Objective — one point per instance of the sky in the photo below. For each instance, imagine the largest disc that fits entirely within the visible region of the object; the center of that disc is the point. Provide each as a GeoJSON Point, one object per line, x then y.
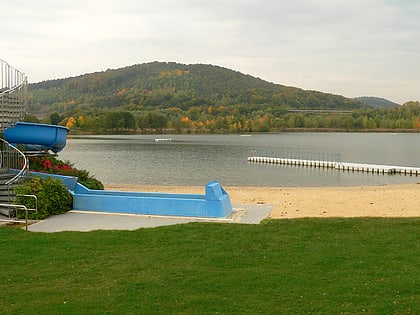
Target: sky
{"type": "Point", "coordinates": [351, 48]}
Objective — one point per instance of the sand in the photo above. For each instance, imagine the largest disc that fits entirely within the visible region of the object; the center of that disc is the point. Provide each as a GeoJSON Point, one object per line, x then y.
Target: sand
{"type": "Point", "coordinates": [364, 201]}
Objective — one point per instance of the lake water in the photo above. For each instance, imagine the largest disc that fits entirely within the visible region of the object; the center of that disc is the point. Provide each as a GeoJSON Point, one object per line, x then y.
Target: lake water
{"type": "Point", "coordinates": [197, 159]}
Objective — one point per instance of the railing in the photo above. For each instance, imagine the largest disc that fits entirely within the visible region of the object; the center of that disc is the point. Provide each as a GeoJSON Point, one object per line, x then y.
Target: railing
{"type": "Point", "coordinates": [13, 161]}
{"type": "Point", "coordinates": [13, 167]}
{"type": "Point", "coordinates": [13, 91]}
{"type": "Point", "coordinates": [20, 207]}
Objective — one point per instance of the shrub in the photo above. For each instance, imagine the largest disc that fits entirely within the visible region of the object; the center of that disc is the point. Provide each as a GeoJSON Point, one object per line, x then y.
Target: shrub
{"type": "Point", "coordinates": [52, 165]}
{"type": "Point", "coordinates": [53, 197]}
{"type": "Point", "coordinates": [92, 183]}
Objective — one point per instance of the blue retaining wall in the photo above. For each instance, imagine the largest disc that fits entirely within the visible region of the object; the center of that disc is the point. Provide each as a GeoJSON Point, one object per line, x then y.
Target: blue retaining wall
{"type": "Point", "coordinates": [214, 204]}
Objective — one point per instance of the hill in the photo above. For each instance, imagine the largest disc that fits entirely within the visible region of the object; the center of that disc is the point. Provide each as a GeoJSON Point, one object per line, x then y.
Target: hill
{"type": "Point", "coordinates": [161, 85]}
{"type": "Point", "coordinates": [172, 97]}
{"type": "Point", "coordinates": [376, 102]}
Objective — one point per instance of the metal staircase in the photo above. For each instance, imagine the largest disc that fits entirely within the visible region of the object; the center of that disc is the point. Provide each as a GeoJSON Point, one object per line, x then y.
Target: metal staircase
{"type": "Point", "coordinates": [13, 163]}
{"type": "Point", "coordinates": [13, 169]}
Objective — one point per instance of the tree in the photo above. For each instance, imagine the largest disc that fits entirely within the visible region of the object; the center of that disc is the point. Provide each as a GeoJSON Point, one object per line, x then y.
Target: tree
{"type": "Point", "coordinates": [55, 118]}
{"type": "Point", "coordinates": [119, 120]}
{"type": "Point", "coordinates": [31, 118]}
{"type": "Point", "coordinates": [152, 120]}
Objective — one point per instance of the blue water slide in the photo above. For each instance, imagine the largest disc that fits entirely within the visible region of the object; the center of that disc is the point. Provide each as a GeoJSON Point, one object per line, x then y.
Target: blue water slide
{"type": "Point", "coordinates": [37, 137]}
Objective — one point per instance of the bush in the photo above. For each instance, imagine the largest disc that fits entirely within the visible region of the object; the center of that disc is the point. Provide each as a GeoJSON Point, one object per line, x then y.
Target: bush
{"type": "Point", "coordinates": [53, 197]}
{"type": "Point", "coordinates": [52, 165]}
{"type": "Point", "coordinates": [91, 183]}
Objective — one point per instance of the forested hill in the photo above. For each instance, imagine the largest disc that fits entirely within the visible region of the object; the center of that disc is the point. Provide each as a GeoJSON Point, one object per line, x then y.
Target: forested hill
{"type": "Point", "coordinates": [172, 97]}
{"type": "Point", "coordinates": [161, 85]}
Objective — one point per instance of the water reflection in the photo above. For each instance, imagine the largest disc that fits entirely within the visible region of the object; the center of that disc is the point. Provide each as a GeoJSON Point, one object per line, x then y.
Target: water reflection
{"type": "Point", "coordinates": [197, 159]}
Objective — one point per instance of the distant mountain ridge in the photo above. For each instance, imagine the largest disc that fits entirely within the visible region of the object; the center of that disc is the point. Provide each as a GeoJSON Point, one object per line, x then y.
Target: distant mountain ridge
{"type": "Point", "coordinates": [172, 85]}
{"type": "Point", "coordinates": [376, 102]}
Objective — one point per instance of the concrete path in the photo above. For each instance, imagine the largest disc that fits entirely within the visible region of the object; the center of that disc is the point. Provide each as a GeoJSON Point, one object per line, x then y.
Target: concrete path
{"type": "Point", "coordinates": [89, 221]}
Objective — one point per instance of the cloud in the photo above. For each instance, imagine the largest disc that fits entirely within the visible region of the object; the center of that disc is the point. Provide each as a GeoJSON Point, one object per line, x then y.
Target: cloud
{"type": "Point", "coordinates": [347, 47]}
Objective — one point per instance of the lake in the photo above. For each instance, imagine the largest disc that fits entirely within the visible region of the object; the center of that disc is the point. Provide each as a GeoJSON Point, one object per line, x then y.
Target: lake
{"type": "Point", "coordinates": [197, 159]}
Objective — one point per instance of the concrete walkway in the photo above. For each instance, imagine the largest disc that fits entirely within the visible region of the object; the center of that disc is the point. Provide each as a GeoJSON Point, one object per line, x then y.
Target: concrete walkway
{"type": "Point", "coordinates": [89, 221]}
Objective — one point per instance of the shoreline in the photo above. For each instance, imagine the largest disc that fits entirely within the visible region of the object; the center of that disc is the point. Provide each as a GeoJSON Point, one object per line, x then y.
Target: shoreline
{"type": "Point", "coordinates": [166, 131]}
{"type": "Point", "coordinates": [401, 200]}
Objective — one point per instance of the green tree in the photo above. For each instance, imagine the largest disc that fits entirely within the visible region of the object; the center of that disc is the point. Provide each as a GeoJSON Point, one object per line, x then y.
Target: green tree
{"type": "Point", "coordinates": [55, 118]}
{"type": "Point", "coordinates": [119, 120]}
{"type": "Point", "coordinates": [152, 120]}
{"type": "Point", "coordinates": [31, 118]}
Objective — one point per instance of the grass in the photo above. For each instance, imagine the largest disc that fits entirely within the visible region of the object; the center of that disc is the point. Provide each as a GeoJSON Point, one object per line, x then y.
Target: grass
{"type": "Point", "coordinates": [318, 266]}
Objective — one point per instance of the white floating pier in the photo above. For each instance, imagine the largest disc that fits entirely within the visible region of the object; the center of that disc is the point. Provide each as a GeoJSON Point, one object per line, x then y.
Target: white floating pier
{"type": "Point", "coordinates": [342, 166]}
{"type": "Point", "coordinates": [163, 139]}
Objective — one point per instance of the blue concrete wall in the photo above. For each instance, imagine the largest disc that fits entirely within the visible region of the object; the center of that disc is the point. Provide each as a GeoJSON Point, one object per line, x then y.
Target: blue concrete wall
{"type": "Point", "coordinates": [214, 204]}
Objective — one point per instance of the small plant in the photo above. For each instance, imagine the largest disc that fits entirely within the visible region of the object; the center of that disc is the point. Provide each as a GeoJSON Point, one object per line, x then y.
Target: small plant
{"type": "Point", "coordinates": [52, 165]}
{"type": "Point", "coordinates": [53, 197]}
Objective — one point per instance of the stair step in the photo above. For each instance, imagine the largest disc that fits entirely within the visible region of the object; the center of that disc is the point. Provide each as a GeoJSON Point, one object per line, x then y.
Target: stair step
{"type": "Point", "coordinates": [4, 211]}
{"type": "Point", "coordinates": [6, 175]}
{"type": "Point", "coordinates": [7, 193]}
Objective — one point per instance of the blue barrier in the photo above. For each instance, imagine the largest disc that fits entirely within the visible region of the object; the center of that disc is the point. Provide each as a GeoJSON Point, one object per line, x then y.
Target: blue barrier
{"type": "Point", "coordinates": [215, 203]}
{"type": "Point", "coordinates": [37, 137]}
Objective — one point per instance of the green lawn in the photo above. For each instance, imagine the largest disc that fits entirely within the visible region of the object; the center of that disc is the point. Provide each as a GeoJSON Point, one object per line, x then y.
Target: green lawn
{"type": "Point", "coordinates": [317, 266]}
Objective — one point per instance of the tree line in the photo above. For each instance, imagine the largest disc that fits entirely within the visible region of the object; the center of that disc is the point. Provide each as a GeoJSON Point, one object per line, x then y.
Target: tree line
{"type": "Point", "coordinates": [236, 119]}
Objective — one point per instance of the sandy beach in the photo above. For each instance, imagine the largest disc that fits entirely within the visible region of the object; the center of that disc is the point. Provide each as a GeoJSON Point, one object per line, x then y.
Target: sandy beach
{"type": "Point", "coordinates": [291, 202]}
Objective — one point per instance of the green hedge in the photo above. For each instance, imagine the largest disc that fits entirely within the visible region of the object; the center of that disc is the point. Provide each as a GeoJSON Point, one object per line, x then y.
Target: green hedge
{"type": "Point", "coordinates": [53, 197]}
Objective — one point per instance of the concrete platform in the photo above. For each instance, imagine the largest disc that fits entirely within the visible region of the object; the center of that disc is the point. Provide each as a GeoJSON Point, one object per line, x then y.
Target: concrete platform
{"type": "Point", "coordinates": [90, 221]}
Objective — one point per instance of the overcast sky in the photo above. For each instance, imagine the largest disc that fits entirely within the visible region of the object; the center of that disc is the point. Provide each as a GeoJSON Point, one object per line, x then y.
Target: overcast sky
{"type": "Point", "coordinates": [352, 48]}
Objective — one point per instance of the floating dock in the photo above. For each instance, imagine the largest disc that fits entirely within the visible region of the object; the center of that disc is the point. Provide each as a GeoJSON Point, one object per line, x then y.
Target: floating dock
{"type": "Point", "coordinates": [342, 166]}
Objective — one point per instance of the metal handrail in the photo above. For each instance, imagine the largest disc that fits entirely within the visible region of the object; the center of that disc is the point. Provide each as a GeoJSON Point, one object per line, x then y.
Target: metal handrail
{"type": "Point", "coordinates": [21, 207]}
{"type": "Point", "coordinates": [30, 196]}
{"type": "Point", "coordinates": [13, 85]}
{"type": "Point", "coordinates": [10, 77]}
{"type": "Point", "coordinates": [22, 169]}
{"type": "Point", "coordinates": [13, 89]}
{"type": "Point", "coordinates": [17, 208]}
